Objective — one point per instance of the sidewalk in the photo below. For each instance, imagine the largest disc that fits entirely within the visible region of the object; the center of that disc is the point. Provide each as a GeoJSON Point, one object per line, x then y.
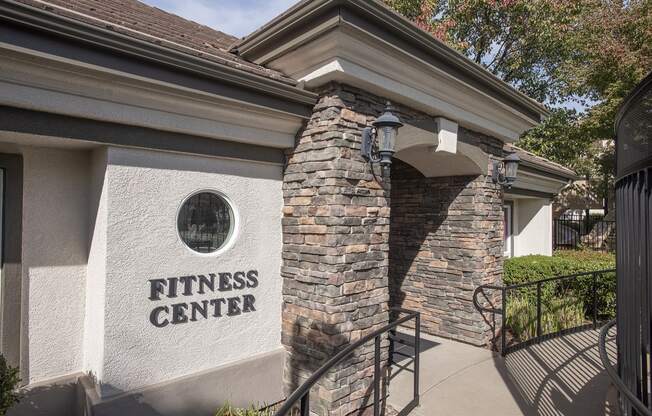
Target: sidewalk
{"type": "Point", "coordinates": [562, 376]}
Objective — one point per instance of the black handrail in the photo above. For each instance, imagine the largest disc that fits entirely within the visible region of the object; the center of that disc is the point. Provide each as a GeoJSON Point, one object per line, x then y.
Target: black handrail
{"type": "Point", "coordinates": [613, 373]}
{"type": "Point", "coordinates": [538, 284]}
{"type": "Point", "coordinates": [302, 394]}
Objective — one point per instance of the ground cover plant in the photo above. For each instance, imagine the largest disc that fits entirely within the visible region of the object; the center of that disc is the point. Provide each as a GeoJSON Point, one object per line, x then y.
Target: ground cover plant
{"type": "Point", "coordinates": [229, 410]}
{"type": "Point", "coordinates": [8, 384]}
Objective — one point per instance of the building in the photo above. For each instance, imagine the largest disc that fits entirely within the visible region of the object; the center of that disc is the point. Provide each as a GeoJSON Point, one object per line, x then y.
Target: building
{"type": "Point", "coordinates": [188, 218]}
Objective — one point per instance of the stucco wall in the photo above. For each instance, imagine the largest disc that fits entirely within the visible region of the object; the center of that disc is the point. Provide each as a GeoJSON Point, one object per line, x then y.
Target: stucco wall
{"type": "Point", "coordinates": [532, 226]}
{"type": "Point", "coordinates": [54, 250]}
{"type": "Point", "coordinates": [144, 191]}
{"type": "Point", "coordinates": [96, 273]}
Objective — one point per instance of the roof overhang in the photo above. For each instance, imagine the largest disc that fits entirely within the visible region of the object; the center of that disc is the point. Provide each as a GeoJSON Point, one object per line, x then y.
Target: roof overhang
{"type": "Point", "coordinates": [531, 182]}
{"type": "Point", "coordinates": [364, 44]}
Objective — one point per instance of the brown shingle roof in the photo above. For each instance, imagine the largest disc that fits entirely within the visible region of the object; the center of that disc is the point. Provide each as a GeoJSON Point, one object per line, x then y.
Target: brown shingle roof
{"type": "Point", "coordinates": [528, 158]}
{"type": "Point", "coordinates": [138, 20]}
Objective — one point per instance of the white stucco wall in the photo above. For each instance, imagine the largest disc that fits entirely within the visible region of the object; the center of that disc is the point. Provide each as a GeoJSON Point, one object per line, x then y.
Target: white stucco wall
{"type": "Point", "coordinates": [54, 254]}
{"type": "Point", "coordinates": [144, 190]}
{"type": "Point", "coordinates": [532, 226]}
{"type": "Point", "coordinates": [96, 272]}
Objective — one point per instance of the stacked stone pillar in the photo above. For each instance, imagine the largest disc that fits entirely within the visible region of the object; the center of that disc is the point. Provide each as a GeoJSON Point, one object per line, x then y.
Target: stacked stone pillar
{"type": "Point", "coordinates": [335, 253]}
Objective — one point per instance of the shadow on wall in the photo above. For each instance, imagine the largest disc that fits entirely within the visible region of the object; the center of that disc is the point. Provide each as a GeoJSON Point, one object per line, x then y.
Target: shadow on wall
{"type": "Point", "coordinates": [59, 398]}
{"type": "Point", "coordinates": [430, 256]}
{"type": "Point", "coordinates": [561, 376]}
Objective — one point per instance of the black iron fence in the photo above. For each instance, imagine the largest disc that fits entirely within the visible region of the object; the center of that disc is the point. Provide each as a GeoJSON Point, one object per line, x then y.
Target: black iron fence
{"type": "Point", "coordinates": [572, 232]}
{"type": "Point", "coordinates": [299, 400]}
{"type": "Point", "coordinates": [535, 311]}
{"type": "Point", "coordinates": [629, 400]}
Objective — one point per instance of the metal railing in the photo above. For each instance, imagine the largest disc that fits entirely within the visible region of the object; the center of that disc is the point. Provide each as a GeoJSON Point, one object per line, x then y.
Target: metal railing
{"type": "Point", "coordinates": [301, 395]}
{"type": "Point", "coordinates": [538, 287]}
{"type": "Point", "coordinates": [629, 398]}
{"type": "Point", "coordinates": [594, 233]}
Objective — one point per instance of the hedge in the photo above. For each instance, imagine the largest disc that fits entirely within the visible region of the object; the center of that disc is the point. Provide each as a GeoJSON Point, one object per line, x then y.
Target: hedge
{"type": "Point", "coordinates": [562, 263]}
{"type": "Point", "coordinates": [565, 303]}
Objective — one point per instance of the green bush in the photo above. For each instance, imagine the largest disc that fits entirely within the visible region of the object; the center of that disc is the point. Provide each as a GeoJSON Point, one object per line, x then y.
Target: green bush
{"type": "Point", "coordinates": [556, 314]}
{"type": "Point", "coordinates": [8, 384]}
{"type": "Point", "coordinates": [228, 410]}
{"type": "Point", "coordinates": [562, 263]}
{"type": "Point", "coordinates": [565, 303]}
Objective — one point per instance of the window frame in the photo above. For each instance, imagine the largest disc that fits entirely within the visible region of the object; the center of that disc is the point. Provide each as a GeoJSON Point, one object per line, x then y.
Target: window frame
{"type": "Point", "coordinates": [234, 229]}
{"type": "Point", "coordinates": [508, 229]}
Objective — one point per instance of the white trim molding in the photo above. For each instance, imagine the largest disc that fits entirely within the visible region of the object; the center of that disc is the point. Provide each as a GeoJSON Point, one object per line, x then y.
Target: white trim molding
{"type": "Point", "coordinates": [349, 55]}
{"type": "Point", "coordinates": [38, 81]}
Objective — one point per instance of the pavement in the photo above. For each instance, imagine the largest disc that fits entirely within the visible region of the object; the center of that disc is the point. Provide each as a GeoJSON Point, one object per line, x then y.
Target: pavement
{"type": "Point", "coordinates": [561, 376]}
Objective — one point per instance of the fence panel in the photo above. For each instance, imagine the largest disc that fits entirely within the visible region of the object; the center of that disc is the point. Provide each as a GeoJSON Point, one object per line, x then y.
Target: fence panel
{"type": "Point", "coordinates": [573, 232]}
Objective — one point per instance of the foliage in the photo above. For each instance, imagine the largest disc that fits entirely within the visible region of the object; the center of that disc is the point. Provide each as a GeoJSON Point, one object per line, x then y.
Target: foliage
{"type": "Point", "coordinates": [565, 303]}
{"type": "Point", "coordinates": [558, 314]}
{"type": "Point", "coordinates": [562, 263]}
{"type": "Point", "coordinates": [228, 410]}
{"type": "Point", "coordinates": [588, 52]}
{"type": "Point", "coordinates": [8, 384]}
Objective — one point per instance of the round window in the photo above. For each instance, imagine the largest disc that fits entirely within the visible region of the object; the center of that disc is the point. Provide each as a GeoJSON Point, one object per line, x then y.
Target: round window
{"type": "Point", "coordinates": [205, 222]}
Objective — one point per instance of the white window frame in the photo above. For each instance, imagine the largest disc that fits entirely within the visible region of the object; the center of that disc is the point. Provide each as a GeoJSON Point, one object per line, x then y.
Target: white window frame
{"type": "Point", "coordinates": [508, 215]}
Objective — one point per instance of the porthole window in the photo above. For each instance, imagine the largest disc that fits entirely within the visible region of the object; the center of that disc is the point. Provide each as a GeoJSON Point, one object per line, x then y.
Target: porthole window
{"type": "Point", "coordinates": [206, 222]}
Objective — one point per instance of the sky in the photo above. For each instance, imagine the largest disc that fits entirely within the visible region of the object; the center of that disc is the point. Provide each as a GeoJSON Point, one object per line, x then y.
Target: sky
{"type": "Point", "coordinates": [235, 17]}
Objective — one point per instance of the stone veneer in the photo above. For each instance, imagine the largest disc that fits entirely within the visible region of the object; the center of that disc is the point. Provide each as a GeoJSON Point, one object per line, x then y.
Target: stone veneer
{"type": "Point", "coordinates": [447, 239]}
{"type": "Point", "coordinates": [336, 249]}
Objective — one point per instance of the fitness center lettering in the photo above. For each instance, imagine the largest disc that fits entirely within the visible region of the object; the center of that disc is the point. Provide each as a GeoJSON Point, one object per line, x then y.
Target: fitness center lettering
{"type": "Point", "coordinates": [222, 283]}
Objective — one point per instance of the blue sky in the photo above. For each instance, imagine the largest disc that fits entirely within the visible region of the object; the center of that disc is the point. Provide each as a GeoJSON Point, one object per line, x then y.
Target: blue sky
{"type": "Point", "coordinates": [235, 17]}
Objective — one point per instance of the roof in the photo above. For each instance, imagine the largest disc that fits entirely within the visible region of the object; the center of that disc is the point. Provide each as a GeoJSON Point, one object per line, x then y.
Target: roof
{"type": "Point", "coordinates": [529, 159]}
{"type": "Point", "coordinates": [138, 20]}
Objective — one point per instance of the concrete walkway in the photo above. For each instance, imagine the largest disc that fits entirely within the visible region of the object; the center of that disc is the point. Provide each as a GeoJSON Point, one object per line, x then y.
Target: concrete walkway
{"type": "Point", "coordinates": [562, 376]}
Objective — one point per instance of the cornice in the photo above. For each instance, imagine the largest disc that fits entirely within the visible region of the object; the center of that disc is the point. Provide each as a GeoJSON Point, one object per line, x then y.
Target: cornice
{"type": "Point", "coordinates": [96, 37]}
{"type": "Point", "coordinates": [304, 18]}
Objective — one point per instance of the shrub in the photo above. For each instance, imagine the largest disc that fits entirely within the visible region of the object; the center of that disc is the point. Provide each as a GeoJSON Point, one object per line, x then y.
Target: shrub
{"type": "Point", "coordinates": [562, 263]}
{"type": "Point", "coordinates": [556, 314]}
{"type": "Point", "coordinates": [8, 384]}
{"type": "Point", "coordinates": [228, 410]}
{"type": "Point", "coordinates": [565, 303]}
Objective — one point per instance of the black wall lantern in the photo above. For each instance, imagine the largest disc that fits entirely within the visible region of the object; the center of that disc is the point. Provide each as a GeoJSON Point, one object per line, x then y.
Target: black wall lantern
{"type": "Point", "coordinates": [504, 172]}
{"type": "Point", "coordinates": [379, 141]}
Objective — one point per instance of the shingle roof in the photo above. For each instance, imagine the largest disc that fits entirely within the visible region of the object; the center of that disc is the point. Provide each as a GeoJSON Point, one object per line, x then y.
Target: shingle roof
{"type": "Point", "coordinates": [150, 24]}
{"type": "Point", "coordinates": [528, 158]}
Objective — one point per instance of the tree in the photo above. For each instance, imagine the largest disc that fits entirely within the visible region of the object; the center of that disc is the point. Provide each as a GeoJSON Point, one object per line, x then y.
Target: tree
{"type": "Point", "coordinates": [560, 52]}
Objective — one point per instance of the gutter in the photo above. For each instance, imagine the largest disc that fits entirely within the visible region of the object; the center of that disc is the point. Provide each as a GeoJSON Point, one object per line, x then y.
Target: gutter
{"type": "Point", "coordinates": [71, 29]}
{"type": "Point", "coordinates": [549, 172]}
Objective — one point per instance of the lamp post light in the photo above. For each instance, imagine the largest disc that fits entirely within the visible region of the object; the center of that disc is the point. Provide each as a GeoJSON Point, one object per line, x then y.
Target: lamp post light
{"type": "Point", "coordinates": [504, 171]}
{"type": "Point", "coordinates": [379, 141]}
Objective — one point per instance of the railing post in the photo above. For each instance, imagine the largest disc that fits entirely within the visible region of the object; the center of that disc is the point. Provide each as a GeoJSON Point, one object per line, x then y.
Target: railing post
{"type": "Point", "coordinates": [377, 376]}
{"type": "Point", "coordinates": [417, 352]}
{"type": "Point", "coordinates": [538, 309]}
{"type": "Point", "coordinates": [594, 286]}
{"type": "Point", "coordinates": [305, 404]}
{"type": "Point", "coordinates": [503, 324]}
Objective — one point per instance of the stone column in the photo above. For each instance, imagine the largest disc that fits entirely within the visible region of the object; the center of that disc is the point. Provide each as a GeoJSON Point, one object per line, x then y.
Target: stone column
{"type": "Point", "coordinates": [335, 253]}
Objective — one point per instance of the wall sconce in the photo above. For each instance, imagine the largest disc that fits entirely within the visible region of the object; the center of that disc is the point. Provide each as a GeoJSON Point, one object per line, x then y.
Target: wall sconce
{"type": "Point", "coordinates": [379, 141]}
{"type": "Point", "coordinates": [504, 172]}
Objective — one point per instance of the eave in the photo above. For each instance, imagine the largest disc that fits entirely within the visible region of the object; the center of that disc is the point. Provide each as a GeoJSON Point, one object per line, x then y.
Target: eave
{"type": "Point", "coordinates": [28, 27]}
{"type": "Point", "coordinates": [384, 32]}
